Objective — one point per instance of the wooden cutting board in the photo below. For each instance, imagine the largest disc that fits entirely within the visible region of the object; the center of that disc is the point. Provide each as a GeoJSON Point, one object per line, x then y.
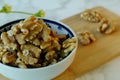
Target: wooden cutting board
{"type": "Point", "coordinates": [106, 48]}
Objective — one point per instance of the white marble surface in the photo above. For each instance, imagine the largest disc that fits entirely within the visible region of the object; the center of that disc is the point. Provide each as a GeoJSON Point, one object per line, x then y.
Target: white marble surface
{"type": "Point", "coordinates": [60, 9]}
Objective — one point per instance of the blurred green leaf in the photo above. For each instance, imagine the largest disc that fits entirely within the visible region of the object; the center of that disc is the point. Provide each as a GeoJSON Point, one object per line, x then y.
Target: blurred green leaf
{"type": "Point", "coordinates": [40, 13]}
{"type": "Point", "coordinates": [6, 9]}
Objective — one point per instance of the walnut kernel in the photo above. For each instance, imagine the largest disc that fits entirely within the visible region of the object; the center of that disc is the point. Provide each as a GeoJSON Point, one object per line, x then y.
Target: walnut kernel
{"type": "Point", "coordinates": [106, 26]}
{"type": "Point", "coordinates": [91, 16]}
{"type": "Point", "coordinates": [86, 38]}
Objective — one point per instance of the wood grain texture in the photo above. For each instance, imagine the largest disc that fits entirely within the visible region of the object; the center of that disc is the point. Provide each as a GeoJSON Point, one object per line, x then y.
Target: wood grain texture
{"type": "Point", "coordinates": [106, 48]}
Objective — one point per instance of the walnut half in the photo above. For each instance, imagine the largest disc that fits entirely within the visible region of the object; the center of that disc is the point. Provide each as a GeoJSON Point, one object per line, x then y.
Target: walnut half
{"type": "Point", "coordinates": [9, 41]}
{"type": "Point", "coordinates": [27, 59]}
{"type": "Point", "coordinates": [68, 45]}
{"type": "Point", "coordinates": [105, 26]}
{"type": "Point", "coordinates": [31, 48]}
{"type": "Point", "coordinates": [9, 57]}
{"type": "Point", "coordinates": [91, 16]}
{"type": "Point", "coordinates": [86, 38]}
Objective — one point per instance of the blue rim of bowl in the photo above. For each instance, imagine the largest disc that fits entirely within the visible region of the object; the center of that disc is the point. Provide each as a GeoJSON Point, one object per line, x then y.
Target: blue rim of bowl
{"type": "Point", "coordinates": [48, 20]}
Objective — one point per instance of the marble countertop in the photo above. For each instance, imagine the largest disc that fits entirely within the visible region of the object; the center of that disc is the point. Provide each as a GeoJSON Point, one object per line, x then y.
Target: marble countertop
{"type": "Point", "coordinates": [60, 9]}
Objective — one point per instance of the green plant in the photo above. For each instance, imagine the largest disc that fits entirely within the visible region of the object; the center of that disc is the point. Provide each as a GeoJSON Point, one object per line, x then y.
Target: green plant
{"type": "Point", "coordinates": [8, 9]}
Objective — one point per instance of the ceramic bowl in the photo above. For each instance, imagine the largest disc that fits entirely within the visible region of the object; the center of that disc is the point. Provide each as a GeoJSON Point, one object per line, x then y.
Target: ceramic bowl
{"type": "Point", "coordinates": [43, 73]}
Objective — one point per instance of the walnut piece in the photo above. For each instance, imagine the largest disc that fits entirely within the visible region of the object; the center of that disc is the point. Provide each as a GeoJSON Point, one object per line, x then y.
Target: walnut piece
{"type": "Point", "coordinates": [35, 41]}
{"type": "Point", "coordinates": [50, 55]}
{"type": "Point", "coordinates": [33, 49]}
{"type": "Point", "coordinates": [20, 38]}
{"type": "Point", "coordinates": [106, 26]}
{"type": "Point", "coordinates": [53, 61]}
{"type": "Point", "coordinates": [2, 50]}
{"type": "Point", "coordinates": [45, 34]}
{"type": "Point", "coordinates": [44, 45]}
{"type": "Point", "coordinates": [91, 16]}
{"type": "Point", "coordinates": [20, 63]}
{"type": "Point", "coordinates": [68, 45]}
{"type": "Point", "coordinates": [85, 38]}
{"type": "Point", "coordinates": [9, 41]}
{"type": "Point", "coordinates": [9, 58]}
{"type": "Point", "coordinates": [15, 29]}
{"type": "Point", "coordinates": [56, 45]}
{"type": "Point", "coordinates": [27, 59]}
{"type": "Point", "coordinates": [62, 36]}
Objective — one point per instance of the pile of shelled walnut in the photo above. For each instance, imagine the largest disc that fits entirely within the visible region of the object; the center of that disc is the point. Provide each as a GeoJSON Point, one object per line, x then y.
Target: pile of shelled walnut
{"type": "Point", "coordinates": [105, 26]}
{"type": "Point", "coordinates": [31, 44]}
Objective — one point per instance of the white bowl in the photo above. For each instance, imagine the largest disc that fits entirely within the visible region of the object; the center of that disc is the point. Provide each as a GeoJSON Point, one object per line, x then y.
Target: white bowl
{"type": "Point", "coordinates": [43, 73]}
